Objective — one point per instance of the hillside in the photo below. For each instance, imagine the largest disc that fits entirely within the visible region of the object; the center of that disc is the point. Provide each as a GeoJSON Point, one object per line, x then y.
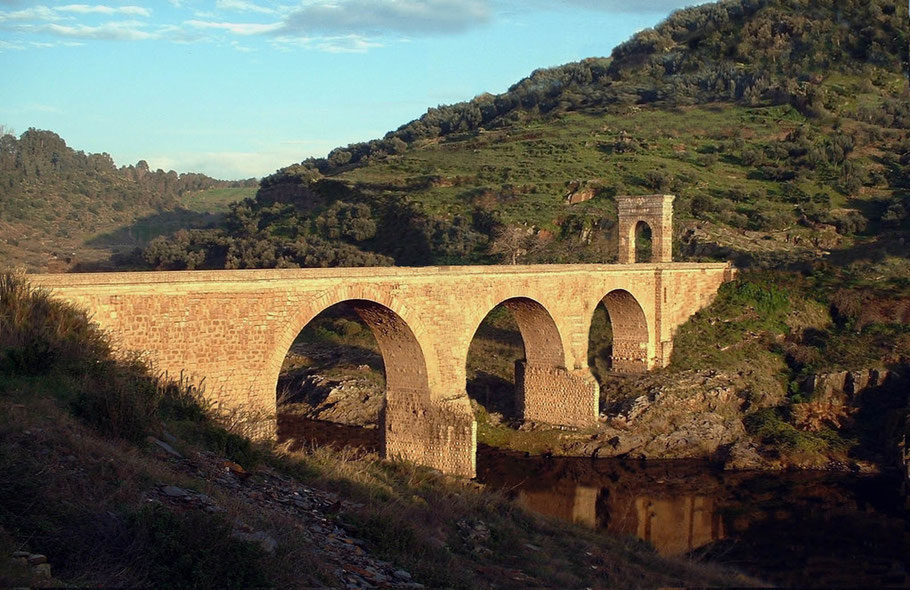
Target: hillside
{"type": "Point", "coordinates": [781, 126]}
{"type": "Point", "coordinates": [55, 200]}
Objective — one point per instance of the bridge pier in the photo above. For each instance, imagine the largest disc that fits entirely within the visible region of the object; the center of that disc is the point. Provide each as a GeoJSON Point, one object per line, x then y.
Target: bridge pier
{"type": "Point", "coordinates": [556, 395]}
{"type": "Point", "coordinates": [441, 434]}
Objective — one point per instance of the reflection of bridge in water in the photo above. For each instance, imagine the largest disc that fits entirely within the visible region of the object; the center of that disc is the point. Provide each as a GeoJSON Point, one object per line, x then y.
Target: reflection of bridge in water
{"type": "Point", "coordinates": [234, 328]}
{"type": "Point", "coordinates": [674, 525]}
{"type": "Point", "coordinates": [797, 529]}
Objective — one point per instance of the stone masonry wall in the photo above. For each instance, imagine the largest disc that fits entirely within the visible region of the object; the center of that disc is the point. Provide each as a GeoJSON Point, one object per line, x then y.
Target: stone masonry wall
{"type": "Point", "coordinates": [556, 396]}
{"type": "Point", "coordinates": [232, 329]}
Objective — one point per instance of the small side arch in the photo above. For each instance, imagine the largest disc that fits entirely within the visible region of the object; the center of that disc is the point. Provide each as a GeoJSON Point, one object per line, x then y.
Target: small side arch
{"type": "Point", "coordinates": [641, 240]}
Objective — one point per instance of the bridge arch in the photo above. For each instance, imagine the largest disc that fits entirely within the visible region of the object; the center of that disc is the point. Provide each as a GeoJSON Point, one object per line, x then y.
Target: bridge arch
{"type": "Point", "coordinates": [641, 242]}
{"type": "Point", "coordinates": [539, 332]}
{"type": "Point", "coordinates": [397, 331]}
{"type": "Point", "coordinates": [631, 334]}
{"type": "Point", "coordinates": [545, 390]}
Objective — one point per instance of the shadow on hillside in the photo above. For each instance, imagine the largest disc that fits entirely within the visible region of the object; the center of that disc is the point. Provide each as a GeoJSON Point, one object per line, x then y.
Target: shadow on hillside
{"type": "Point", "coordinates": [305, 433]}
{"type": "Point", "coordinates": [891, 244]}
{"type": "Point", "coordinates": [145, 229]}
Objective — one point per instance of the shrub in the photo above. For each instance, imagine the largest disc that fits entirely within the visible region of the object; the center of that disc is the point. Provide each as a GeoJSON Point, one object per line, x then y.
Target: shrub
{"type": "Point", "coordinates": [769, 425]}
{"type": "Point", "coordinates": [40, 334]}
{"type": "Point", "coordinates": [194, 550]}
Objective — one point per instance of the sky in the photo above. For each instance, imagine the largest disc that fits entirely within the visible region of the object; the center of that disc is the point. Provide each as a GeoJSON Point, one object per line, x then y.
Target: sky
{"type": "Point", "coordinates": [237, 89]}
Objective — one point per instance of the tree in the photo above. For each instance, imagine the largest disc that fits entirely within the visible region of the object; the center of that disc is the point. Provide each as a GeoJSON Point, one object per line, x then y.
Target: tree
{"type": "Point", "coordinates": [511, 242]}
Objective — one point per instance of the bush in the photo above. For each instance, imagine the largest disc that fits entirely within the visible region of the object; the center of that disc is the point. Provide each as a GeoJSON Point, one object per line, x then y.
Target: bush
{"type": "Point", "coordinates": [39, 334]}
{"type": "Point", "coordinates": [769, 425]}
{"type": "Point", "coordinates": [194, 550]}
{"type": "Point", "coordinates": [116, 396]}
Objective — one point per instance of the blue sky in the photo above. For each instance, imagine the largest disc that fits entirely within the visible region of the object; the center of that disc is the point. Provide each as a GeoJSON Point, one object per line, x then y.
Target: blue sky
{"type": "Point", "coordinates": [237, 88]}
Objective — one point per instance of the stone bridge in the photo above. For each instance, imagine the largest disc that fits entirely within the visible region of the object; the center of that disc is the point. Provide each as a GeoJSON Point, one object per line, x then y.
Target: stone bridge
{"type": "Point", "coordinates": [234, 328]}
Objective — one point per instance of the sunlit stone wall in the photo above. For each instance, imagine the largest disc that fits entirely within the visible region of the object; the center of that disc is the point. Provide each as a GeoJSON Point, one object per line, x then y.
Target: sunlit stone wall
{"type": "Point", "coordinates": [231, 330]}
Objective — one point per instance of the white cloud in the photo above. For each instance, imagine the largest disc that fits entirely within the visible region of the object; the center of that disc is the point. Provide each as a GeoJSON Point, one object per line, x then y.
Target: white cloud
{"type": "Point", "coordinates": [243, 6]}
{"type": "Point", "coordinates": [115, 31]}
{"type": "Point", "coordinates": [31, 14]}
{"type": "Point", "coordinates": [385, 16]}
{"type": "Point", "coordinates": [336, 44]}
{"type": "Point", "coordinates": [237, 165]}
{"type": "Point", "coordinates": [236, 28]}
{"type": "Point", "coordinates": [7, 46]}
{"type": "Point", "coordinates": [102, 9]}
{"type": "Point", "coordinates": [241, 48]}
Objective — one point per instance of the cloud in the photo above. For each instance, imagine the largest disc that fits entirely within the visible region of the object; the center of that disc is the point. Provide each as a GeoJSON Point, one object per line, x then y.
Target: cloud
{"type": "Point", "coordinates": [243, 6]}
{"type": "Point", "coordinates": [237, 165]}
{"type": "Point", "coordinates": [236, 28]}
{"type": "Point", "coordinates": [332, 44]}
{"type": "Point", "coordinates": [30, 14]}
{"type": "Point", "coordinates": [102, 9]}
{"type": "Point", "coordinates": [115, 31]}
{"type": "Point", "coordinates": [371, 17]}
{"type": "Point", "coordinates": [7, 46]}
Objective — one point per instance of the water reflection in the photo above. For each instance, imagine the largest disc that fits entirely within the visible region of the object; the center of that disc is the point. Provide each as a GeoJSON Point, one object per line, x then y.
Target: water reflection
{"type": "Point", "coordinates": [791, 529]}
{"type": "Point", "coordinates": [584, 492]}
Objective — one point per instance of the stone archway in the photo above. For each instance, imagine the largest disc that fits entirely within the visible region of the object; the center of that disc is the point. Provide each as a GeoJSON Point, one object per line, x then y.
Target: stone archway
{"type": "Point", "coordinates": [654, 210]}
{"type": "Point", "coordinates": [415, 424]}
{"type": "Point", "coordinates": [631, 335]}
{"type": "Point", "coordinates": [545, 390]}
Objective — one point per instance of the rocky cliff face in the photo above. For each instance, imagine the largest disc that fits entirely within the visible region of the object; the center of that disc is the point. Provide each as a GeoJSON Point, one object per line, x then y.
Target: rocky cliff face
{"type": "Point", "coordinates": [835, 397]}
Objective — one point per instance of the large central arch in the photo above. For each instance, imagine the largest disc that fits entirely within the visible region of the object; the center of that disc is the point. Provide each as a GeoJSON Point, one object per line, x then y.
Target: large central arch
{"type": "Point", "coordinates": [415, 425]}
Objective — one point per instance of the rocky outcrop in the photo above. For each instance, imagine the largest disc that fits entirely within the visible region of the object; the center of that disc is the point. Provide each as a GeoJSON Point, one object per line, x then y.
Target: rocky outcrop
{"type": "Point", "coordinates": [691, 415]}
{"type": "Point", "coordinates": [576, 192]}
{"type": "Point", "coordinates": [834, 397]}
{"type": "Point", "coordinates": [353, 399]}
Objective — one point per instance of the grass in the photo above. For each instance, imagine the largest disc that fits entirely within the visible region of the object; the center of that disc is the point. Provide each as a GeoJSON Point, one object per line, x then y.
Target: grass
{"type": "Point", "coordinates": [216, 200]}
{"type": "Point", "coordinates": [527, 166]}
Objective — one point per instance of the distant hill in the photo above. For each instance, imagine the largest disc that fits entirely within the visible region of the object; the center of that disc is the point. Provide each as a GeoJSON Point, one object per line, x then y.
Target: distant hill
{"type": "Point", "coordinates": [53, 198]}
{"type": "Point", "coordinates": [782, 126]}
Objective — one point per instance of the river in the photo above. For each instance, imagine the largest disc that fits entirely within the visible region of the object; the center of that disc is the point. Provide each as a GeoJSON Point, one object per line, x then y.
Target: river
{"type": "Point", "coordinates": [808, 529]}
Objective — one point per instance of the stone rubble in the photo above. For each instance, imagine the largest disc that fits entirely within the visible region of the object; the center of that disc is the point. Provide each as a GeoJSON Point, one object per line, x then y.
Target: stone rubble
{"type": "Point", "coordinates": [315, 510]}
{"type": "Point", "coordinates": [37, 564]}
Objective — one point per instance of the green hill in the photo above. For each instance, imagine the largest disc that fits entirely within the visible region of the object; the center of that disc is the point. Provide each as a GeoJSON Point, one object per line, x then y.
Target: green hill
{"type": "Point", "coordinates": [54, 200]}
